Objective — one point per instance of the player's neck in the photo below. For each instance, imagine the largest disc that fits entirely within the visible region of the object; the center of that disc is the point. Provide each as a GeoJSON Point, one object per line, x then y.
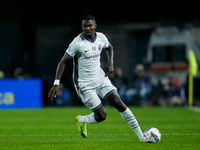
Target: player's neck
{"type": "Point", "coordinates": [92, 38]}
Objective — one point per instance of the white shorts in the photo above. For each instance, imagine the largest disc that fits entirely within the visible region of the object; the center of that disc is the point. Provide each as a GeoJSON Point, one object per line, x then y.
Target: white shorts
{"type": "Point", "coordinates": [91, 97]}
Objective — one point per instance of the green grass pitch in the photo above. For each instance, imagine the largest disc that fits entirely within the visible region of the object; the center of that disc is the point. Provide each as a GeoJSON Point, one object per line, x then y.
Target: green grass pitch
{"type": "Point", "coordinates": [55, 128]}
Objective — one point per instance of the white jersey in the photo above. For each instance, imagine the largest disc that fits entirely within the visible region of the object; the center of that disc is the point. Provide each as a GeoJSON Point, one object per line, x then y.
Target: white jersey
{"type": "Point", "coordinates": [86, 56]}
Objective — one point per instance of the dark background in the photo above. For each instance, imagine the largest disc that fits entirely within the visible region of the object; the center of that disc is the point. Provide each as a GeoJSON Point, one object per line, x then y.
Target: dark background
{"type": "Point", "coordinates": [35, 34]}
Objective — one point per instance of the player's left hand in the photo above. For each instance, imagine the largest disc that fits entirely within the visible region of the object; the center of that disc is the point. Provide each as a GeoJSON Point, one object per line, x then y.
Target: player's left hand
{"type": "Point", "coordinates": [110, 68]}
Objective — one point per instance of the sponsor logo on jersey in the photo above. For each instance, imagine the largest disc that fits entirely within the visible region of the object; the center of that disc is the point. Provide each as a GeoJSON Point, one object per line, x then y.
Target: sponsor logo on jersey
{"type": "Point", "coordinates": [92, 56]}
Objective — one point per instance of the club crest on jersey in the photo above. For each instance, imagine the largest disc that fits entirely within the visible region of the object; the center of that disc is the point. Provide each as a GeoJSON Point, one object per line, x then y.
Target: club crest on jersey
{"type": "Point", "coordinates": [100, 47]}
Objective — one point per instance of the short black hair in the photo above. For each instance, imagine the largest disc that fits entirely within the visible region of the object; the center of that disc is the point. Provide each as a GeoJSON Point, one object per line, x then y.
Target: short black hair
{"type": "Point", "coordinates": [89, 17]}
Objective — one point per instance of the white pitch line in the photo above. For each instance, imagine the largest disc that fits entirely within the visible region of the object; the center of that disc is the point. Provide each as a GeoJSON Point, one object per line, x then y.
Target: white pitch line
{"type": "Point", "coordinates": [36, 135]}
{"type": "Point", "coordinates": [123, 134]}
{"type": "Point", "coordinates": [180, 134]}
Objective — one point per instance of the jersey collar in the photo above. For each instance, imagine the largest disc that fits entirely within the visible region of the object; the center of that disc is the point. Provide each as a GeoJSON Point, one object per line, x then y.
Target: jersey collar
{"type": "Point", "coordinates": [89, 39]}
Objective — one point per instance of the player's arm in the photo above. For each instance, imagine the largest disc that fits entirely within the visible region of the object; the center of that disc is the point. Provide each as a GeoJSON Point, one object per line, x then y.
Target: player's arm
{"type": "Point", "coordinates": [110, 54]}
{"type": "Point", "coordinates": [59, 72]}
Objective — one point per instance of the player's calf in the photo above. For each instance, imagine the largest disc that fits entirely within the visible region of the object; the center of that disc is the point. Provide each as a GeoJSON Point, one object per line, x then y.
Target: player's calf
{"type": "Point", "coordinates": [100, 118]}
{"type": "Point", "coordinates": [132, 121]}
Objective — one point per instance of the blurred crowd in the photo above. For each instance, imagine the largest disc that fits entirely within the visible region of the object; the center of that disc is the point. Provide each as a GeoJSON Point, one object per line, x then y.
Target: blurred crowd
{"type": "Point", "coordinates": [139, 90]}
{"type": "Point", "coordinates": [135, 91]}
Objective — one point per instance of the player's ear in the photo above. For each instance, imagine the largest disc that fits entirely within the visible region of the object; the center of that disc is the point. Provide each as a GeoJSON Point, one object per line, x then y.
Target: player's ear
{"type": "Point", "coordinates": [95, 25]}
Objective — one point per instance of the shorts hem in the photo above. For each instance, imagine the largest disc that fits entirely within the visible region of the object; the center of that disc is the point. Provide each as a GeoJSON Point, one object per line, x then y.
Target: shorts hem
{"type": "Point", "coordinates": [109, 93]}
{"type": "Point", "coordinates": [96, 107]}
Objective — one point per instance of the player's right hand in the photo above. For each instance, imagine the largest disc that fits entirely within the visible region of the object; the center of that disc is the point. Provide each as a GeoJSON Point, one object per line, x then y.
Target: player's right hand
{"type": "Point", "coordinates": [53, 91]}
{"type": "Point", "coordinates": [110, 68]}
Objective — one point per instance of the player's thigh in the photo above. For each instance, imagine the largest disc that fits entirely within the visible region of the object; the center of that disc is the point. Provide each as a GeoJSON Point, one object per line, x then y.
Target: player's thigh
{"type": "Point", "coordinates": [90, 99]}
{"type": "Point", "coordinates": [115, 100]}
{"type": "Point", "coordinates": [106, 88]}
{"type": "Point", "coordinates": [109, 92]}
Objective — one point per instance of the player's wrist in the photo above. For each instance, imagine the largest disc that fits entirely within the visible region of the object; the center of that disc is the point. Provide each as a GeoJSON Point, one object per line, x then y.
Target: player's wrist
{"type": "Point", "coordinates": [110, 61]}
{"type": "Point", "coordinates": [56, 82]}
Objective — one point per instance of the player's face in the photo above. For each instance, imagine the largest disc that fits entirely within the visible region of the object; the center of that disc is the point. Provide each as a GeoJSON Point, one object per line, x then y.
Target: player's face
{"type": "Point", "coordinates": [88, 27]}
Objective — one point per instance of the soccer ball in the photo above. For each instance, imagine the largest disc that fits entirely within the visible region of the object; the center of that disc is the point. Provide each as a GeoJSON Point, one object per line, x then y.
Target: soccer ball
{"type": "Point", "coordinates": [152, 135]}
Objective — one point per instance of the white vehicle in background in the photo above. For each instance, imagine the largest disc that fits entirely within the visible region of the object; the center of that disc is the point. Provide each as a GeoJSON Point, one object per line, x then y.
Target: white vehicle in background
{"type": "Point", "coordinates": [168, 52]}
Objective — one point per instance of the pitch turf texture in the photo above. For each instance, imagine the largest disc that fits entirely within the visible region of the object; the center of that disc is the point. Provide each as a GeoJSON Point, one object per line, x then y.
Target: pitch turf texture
{"type": "Point", "coordinates": [55, 128]}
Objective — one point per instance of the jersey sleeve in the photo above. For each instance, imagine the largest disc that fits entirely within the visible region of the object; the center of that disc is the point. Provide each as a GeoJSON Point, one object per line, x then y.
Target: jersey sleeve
{"type": "Point", "coordinates": [72, 49]}
{"type": "Point", "coordinates": [106, 42]}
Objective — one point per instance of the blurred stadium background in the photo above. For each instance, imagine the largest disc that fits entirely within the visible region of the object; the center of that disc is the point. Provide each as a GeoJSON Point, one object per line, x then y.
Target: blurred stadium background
{"type": "Point", "coordinates": [34, 35]}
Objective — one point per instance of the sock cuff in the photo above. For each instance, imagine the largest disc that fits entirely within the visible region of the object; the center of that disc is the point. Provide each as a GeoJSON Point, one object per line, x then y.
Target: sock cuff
{"type": "Point", "coordinates": [88, 118]}
{"type": "Point", "coordinates": [125, 111]}
{"type": "Point", "coordinates": [127, 114]}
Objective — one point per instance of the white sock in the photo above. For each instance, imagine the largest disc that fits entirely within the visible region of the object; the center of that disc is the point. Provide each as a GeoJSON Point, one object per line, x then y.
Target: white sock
{"type": "Point", "coordinates": [130, 118]}
{"type": "Point", "coordinates": [88, 118]}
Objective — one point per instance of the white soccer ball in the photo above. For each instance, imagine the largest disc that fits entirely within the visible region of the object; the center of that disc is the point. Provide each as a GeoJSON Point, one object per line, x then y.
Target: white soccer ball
{"type": "Point", "coordinates": [152, 135]}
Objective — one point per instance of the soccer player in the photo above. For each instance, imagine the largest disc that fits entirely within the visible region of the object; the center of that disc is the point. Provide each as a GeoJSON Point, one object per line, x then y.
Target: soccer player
{"type": "Point", "coordinates": [90, 81]}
